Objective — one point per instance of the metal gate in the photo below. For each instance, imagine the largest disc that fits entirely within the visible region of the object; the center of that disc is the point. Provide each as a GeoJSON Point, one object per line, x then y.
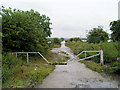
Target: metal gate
{"type": "Point", "coordinates": [100, 52]}
{"type": "Point", "coordinates": [41, 56]}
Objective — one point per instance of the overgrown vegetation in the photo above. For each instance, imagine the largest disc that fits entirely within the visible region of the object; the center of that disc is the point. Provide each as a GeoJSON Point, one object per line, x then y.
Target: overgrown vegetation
{"type": "Point", "coordinates": [96, 38]}
{"type": "Point", "coordinates": [55, 42]}
{"type": "Point", "coordinates": [18, 74]}
{"type": "Point", "coordinates": [64, 53]}
{"type": "Point", "coordinates": [75, 39]}
{"type": "Point", "coordinates": [96, 35]}
{"type": "Point", "coordinates": [61, 59]}
{"type": "Point", "coordinates": [115, 28]}
{"type": "Point", "coordinates": [0, 52]}
{"type": "Point", "coordinates": [25, 31]}
{"type": "Point", "coordinates": [110, 50]}
{"type": "Point", "coordinates": [94, 66]}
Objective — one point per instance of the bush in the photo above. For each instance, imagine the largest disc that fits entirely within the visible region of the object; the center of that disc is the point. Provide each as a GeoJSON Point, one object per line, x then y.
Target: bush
{"type": "Point", "coordinates": [54, 42]}
{"type": "Point", "coordinates": [9, 63]}
{"type": "Point", "coordinates": [115, 67]}
{"type": "Point", "coordinates": [75, 39]}
{"type": "Point", "coordinates": [24, 30]}
{"type": "Point", "coordinates": [110, 52]}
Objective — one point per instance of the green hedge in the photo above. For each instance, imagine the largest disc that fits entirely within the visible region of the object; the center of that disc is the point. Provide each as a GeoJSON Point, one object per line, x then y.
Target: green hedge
{"type": "Point", "coordinates": [110, 52]}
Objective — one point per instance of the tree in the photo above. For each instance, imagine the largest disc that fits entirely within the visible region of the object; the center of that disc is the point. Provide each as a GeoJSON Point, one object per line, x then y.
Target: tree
{"type": "Point", "coordinates": [0, 24]}
{"type": "Point", "coordinates": [24, 30]}
{"type": "Point", "coordinates": [62, 39]}
{"type": "Point", "coordinates": [75, 39]}
{"type": "Point", "coordinates": [56, 41]}
{"type": "Point", "coordinates": [96, 35]}
{"type": "Point", "coordinates": [0, 34]}
{"type": "Point", "coordinates": [115, 28]}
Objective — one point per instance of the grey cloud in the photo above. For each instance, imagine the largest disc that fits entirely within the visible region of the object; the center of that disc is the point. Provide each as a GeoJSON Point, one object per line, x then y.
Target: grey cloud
{"type": "Point", "coordinates": [71, 18]}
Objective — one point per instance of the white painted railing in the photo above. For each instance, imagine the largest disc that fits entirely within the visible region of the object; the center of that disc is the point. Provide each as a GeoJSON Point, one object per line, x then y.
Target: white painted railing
{"type": "Point", "coordinates": [89, 57]}
{"type": "Point", "coordinates": [41, 56]}
{"type": "Point", "coordinates": [100, 53]}
{"type": "Point", "coordinates": [33, 53]}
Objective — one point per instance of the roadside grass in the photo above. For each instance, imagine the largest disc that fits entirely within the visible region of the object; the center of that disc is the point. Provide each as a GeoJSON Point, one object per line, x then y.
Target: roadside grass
{"type": "Point", "coordinates": [24, 75]}
{"type": "Point", "coordinates": [58, 58]}
{"type": "Point", "coordinates": [94, 66]}
{"type": "Point", "coordinates": [56, 46]}
{"type": "Point", "coordinates": [63, 59]}
{"type": "Point", "coordinates": [110, 51]}
{"type": "Point", "coordinates": [64, 52]}
{"type": "Point", "coordinates": [29, 75]}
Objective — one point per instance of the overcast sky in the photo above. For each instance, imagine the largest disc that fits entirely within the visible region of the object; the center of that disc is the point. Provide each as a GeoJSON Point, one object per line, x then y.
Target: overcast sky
{"type": "Point", "coordinates": [71, 18]}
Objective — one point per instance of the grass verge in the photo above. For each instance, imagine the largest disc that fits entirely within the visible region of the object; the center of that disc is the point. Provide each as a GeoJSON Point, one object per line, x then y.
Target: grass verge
{"type": "Point", "coordinates": [64, 52]}
{"type": "Point", "coordinates": [56, 46]}
{"type": "Point", "coordinates": [58, 58]}
{"type": "Point", "coordinates": [29, 75]}
{"type": "Point", "coordinates": [17, 73]}
{"type": "Point", "coordinates": [63, 59]}
{"type": "Point", "coordinates": [94, 66]}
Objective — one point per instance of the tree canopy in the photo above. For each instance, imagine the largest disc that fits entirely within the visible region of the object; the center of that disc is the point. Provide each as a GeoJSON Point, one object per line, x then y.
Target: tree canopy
{"type": "Point", "coordinates": [115, 28]}
{"type": "Point", "coordinates": [0, 24]}
{"type": "Point", "coordinates": [62, 39]}
{"type": "Point", "coordinates": [56, 40]}
{"type": "Point", "coordinates": [24, 30]}
{"type": "Point", "coordinates": [75, 39]}
{"type": "Point", "coordinates": [96, 35]}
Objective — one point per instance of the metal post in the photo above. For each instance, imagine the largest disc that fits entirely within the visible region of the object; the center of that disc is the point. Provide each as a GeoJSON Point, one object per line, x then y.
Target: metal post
{"type": "Point", "coordinates": [27, 59]}
{"type": "Point", "coordinates": [85, 54]}
{"type": "Point", "coordinates": [16, 55]}
{"type": "Point", "coordinates": [101, 57]}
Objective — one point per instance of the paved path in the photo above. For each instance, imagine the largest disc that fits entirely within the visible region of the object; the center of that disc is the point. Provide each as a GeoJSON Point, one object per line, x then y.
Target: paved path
{"type": "Point", "coordinates": [74, 75]}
